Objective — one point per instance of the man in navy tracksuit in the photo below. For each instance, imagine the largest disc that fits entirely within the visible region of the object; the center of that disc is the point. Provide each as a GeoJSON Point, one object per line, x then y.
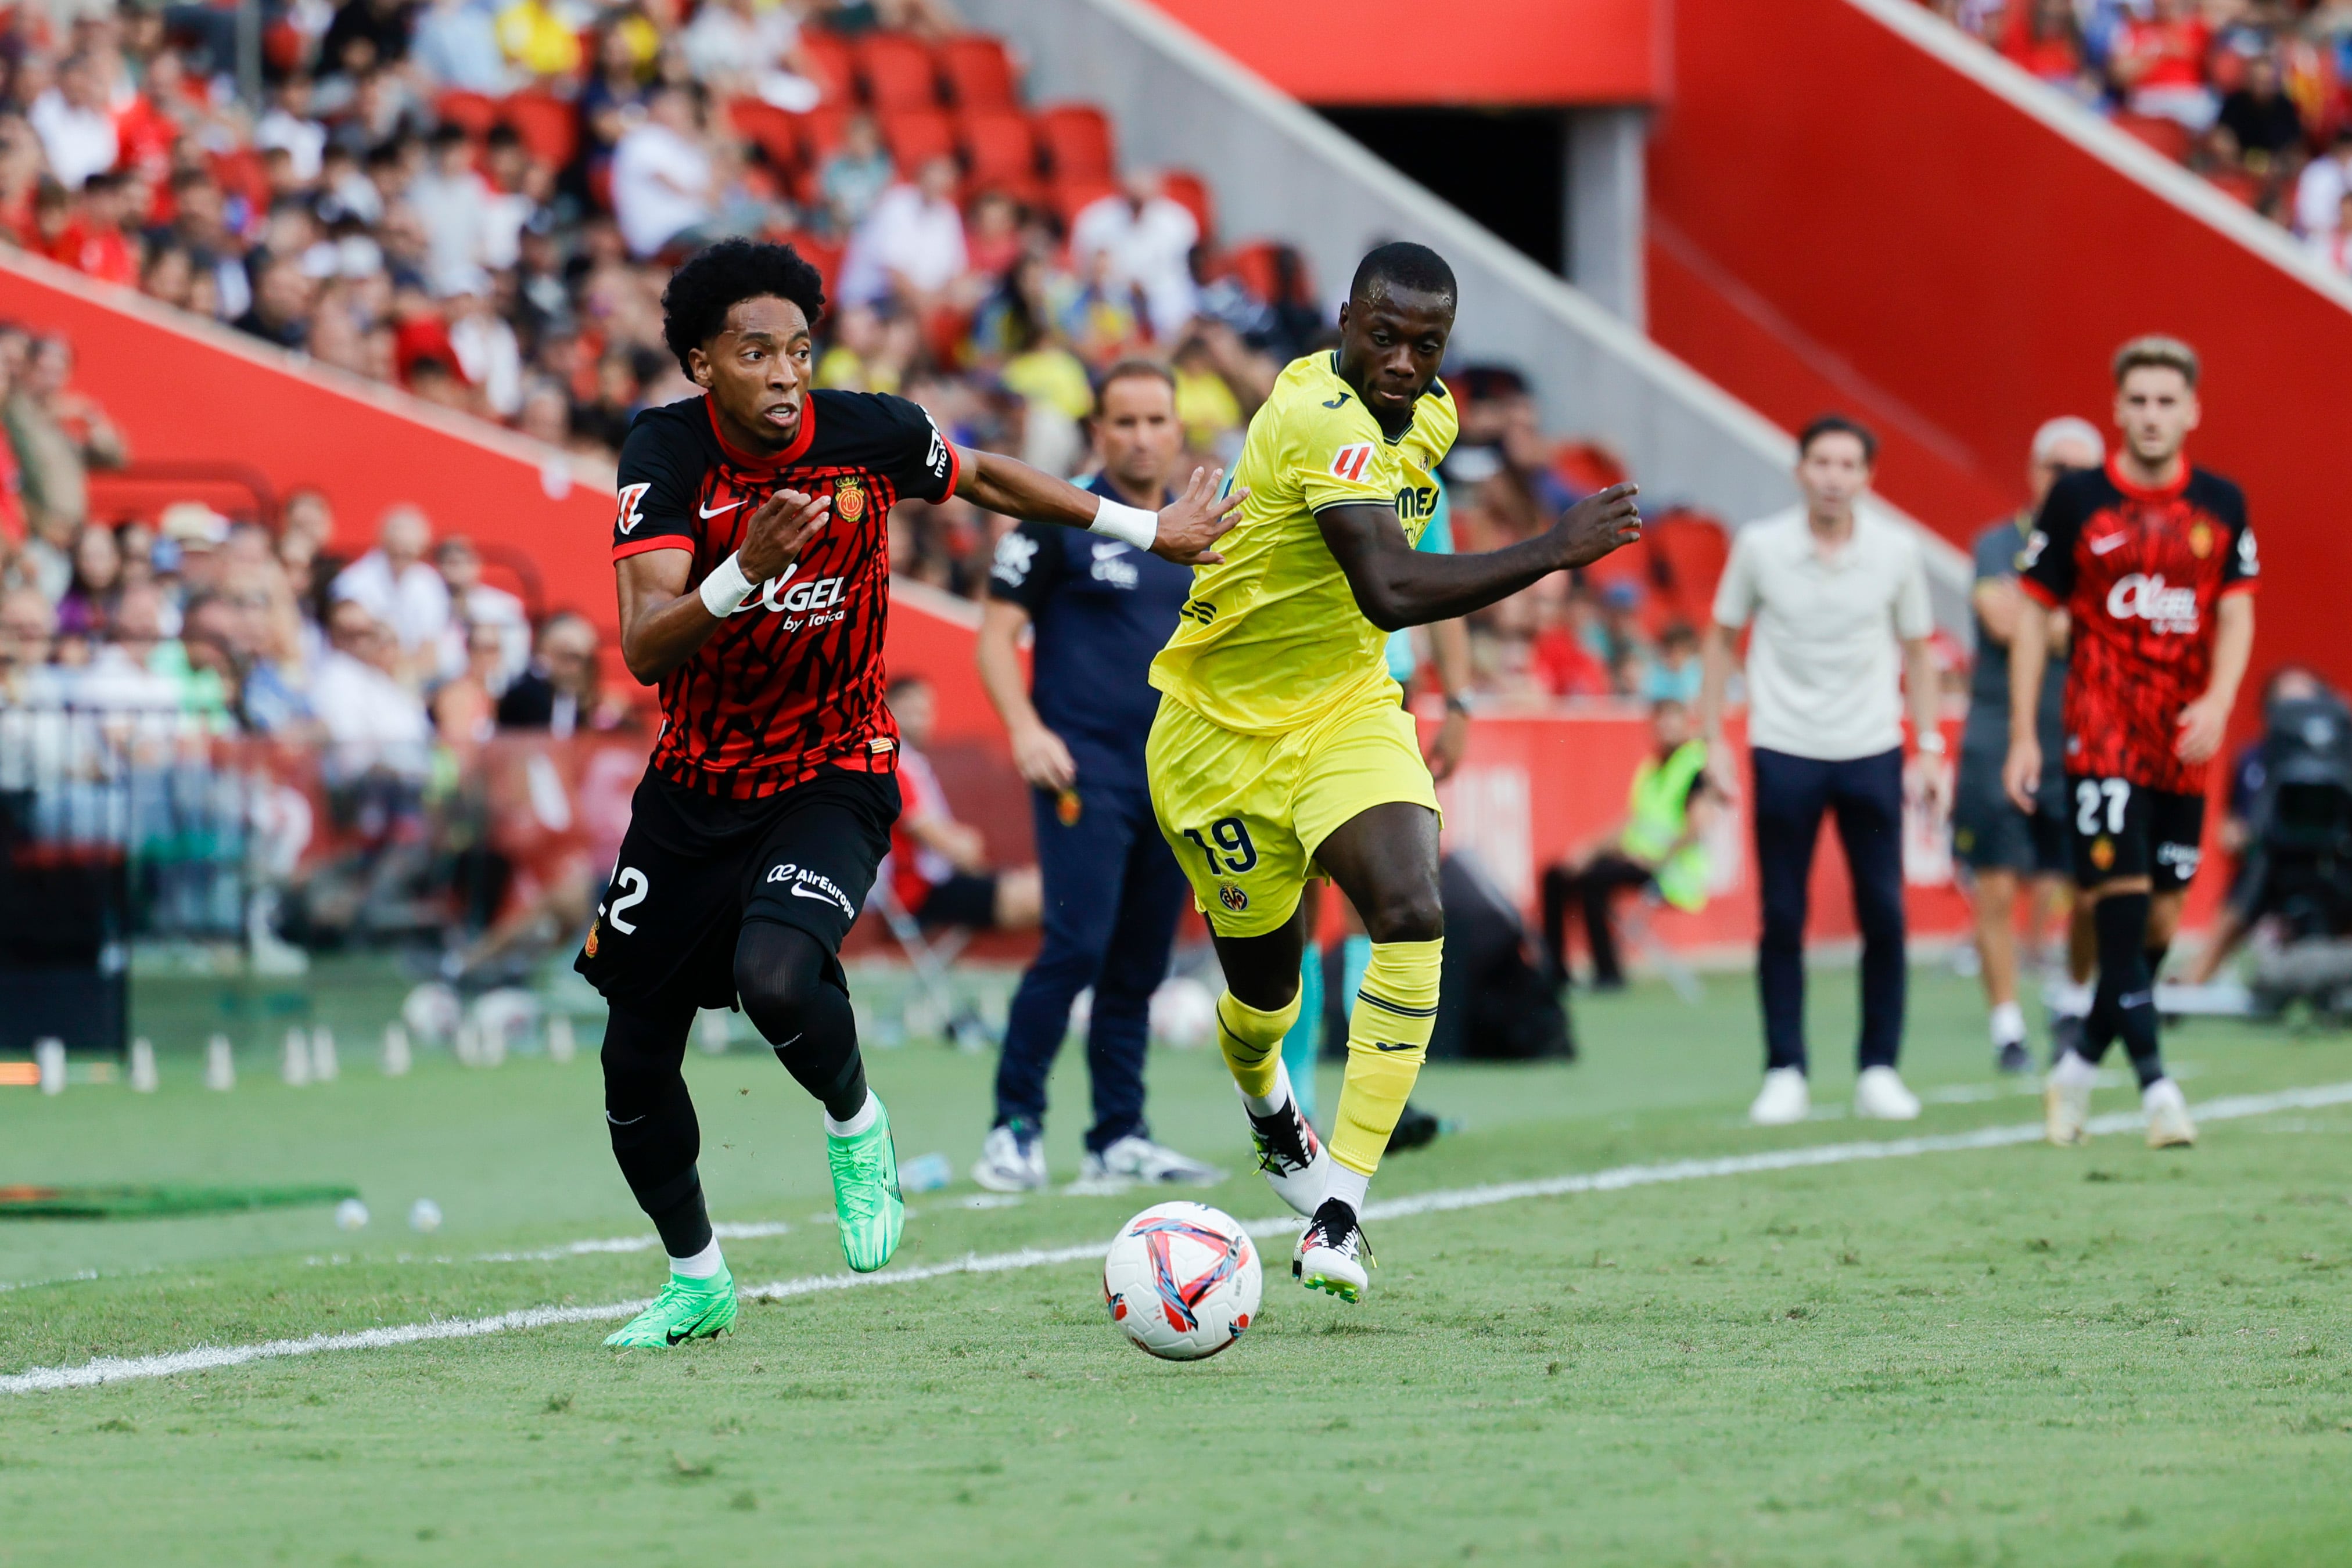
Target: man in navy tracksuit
{"type": "Point", "coordinates": [1112, 889]}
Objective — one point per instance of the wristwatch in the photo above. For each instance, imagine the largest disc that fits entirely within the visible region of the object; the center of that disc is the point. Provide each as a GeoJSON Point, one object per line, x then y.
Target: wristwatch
{"type": "Point", "coordinates": [1458, 702]}
{"type": "Point", "coordinates": [1931, 743]}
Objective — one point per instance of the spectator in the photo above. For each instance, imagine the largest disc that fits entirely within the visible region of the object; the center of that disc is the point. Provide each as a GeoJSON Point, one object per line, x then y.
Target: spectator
{"type": "Point", "coordinates": [364, 35]}
{"type": "Point", "coordinates": [1661, 846]}
{"type": "Point", "coordinates": [476, 606]}
{"type": "Point", "coordinates": [373, 721]}
{"type": "Point", "coordinates": [466, 706]}
{"type": "Point", "coordinates": [134, 668]}
{"type": "Point", "coordinates": [73, 122]}
{"type": "Point", "coordinates": [2319, 192]}
{"type": "Point", "coordinates": [1676, 672]}
{"type": "Point", "coordinates": [735, 49]}
{"type": "Point", "coordinates": [59, 435]}
{"type": "Point", "coordinates": [2260, 127]}
{"type": "Point", "coordinates": [538, 40]}
{"type": "Point", "coordinates": [661, 175]}
{"type": "Point", "coordinates": [87, 607]}
{"type": "Point", "coordinates": [93, 242]}
{"type": "Point", "coordinates": [854, 175]}
{"type": "Point", "coordinates": [487, 353]}
{"type": "Point", "coordinates": [282, 297]}
{"type": "Point", "coordinates": [2044, 39]}
{"type": "Point", "coordinates": [559, 692]}
{"type": "Point", "coordinates": [911, 247]}
{"type": "Point", "coordinates": [2158, 63]}
{"type": "Point", "coordinates": [1148, 239]}
{"type": "Point", "coordinates": [403, 593]}
{"type": "Point", "coordinates": [289, 125]}
{"type": "Point", "coordinates": [454, 203]}
{"type": "Point", "coordinates": [456, 45]}
{"type": "Point", "coordinates": [27, 632]}
{"type": "Point", "coordinates": [937, 867]}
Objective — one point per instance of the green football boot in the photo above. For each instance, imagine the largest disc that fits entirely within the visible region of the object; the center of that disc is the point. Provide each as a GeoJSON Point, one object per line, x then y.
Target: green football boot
{"type": "Point", "coordinates": [686, 1309]}
{"type": "Point", "coordinates": [865, 1201]}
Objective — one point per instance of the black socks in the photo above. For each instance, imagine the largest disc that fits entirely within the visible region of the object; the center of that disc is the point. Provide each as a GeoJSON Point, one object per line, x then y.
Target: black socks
{"type": "Point", "coordinates": [2125, 1003]}
{"type": "Point", "coordinates": [656, 1137]}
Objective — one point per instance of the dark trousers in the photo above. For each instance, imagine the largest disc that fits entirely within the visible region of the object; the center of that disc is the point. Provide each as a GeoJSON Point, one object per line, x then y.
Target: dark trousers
{"type": "Point", "coordinates": [1867, 793]}
{"type": "Point", "coordinates": [1113, 892]}
{"type": "Point", "coordinates": [1602, 877]}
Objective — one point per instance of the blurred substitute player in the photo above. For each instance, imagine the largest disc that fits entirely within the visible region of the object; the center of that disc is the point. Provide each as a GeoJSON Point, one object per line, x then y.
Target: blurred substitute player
{"type": "Point", "coordinates": [752, 554]}
{"type": "Point", "coordinates": [1999, 845]}
{"type": "Point", "coordinates": [1112, 889]}
{"type": "Point", "coordinates": [1282, 751]}
{"type": "Point", "coordinates": [2154, 563]}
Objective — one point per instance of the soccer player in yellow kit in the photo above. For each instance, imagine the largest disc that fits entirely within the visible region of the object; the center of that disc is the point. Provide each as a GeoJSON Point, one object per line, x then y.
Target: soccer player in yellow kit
{"type": "Point", "coordinates": [1282, 749]}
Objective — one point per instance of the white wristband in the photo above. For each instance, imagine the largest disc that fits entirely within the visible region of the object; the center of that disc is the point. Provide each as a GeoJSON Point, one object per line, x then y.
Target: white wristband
{"type": "Point", "coordinates": [1132, 525]}
{"type": "Point", "coordinates": [724, 590]}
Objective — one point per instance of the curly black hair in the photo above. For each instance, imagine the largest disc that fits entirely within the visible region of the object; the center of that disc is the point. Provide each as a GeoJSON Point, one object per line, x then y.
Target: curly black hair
{"type": "Point", "coordinates": [717, 279]}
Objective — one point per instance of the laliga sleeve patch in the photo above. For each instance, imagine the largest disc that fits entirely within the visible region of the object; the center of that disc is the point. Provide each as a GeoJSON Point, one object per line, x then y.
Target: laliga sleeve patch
{"type": "Point", "coordinates": [632, 500]}
{"type": "Point", "coordinates": [1352, 462]}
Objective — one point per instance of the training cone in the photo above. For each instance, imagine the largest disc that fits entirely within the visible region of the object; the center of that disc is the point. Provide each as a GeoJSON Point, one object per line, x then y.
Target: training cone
{"type": "Point", "coordinates": [560, 1044]}
{"type": "Point", "coordinates": [143, 1066]}
{"type": "Point", "coordinates": [220, 1064]}
{"type": "Point", "coordinates": [296, 1067]}
{"type": "Point", "coordinates": [51, 1055]}
{"type": "Point", "coordinates": [397, 1056]}
{"type": "Point", "coordinates": [324, 1067]}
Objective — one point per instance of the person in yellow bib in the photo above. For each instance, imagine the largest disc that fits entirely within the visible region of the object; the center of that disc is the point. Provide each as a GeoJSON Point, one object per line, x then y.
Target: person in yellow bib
{"type": "Point", "coordinates": [1282, 751]}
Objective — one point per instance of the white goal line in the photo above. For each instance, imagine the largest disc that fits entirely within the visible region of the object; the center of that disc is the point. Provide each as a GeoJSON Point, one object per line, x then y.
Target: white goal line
{"type": "Point", "coordinates": [210, 1358]}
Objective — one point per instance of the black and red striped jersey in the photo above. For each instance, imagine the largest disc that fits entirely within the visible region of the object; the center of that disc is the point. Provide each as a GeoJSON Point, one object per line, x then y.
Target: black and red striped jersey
{"type": "Point", "coordinates": [2138, 573]}
{"type": "Point", "coordinates": [793, 682]}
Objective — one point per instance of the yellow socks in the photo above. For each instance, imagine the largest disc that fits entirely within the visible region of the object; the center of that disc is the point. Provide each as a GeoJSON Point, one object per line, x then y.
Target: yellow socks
{"type": "Point", "coordinates": [1387, 1039]}
{"type": "Point", "coordinates": [1252, 1041]}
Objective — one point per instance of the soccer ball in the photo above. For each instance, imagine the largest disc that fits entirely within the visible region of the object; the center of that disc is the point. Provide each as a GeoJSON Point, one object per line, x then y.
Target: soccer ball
{"type": "Point", "coordinates": [1181, 1280]}
{"type": "Point", "coordinates": [1184, 1014]}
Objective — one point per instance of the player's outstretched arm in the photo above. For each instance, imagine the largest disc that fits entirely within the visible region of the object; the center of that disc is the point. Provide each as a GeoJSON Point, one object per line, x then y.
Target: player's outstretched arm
{"type": "Point", "coordinates": [1181, 531]}
{"type": "Point", "coordinates": [1396, 585]}
{"type": "Point", "coordinates": [662, 622]}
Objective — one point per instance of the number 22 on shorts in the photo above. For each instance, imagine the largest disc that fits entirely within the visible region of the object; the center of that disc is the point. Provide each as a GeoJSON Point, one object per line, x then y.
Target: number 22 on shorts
{"type": "Point", "coordinates": [1231, 838]}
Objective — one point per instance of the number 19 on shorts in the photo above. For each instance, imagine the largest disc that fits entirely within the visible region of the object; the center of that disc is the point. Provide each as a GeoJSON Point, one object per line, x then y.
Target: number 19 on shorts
{"type": "Point", "coordinates": [1227, 848]}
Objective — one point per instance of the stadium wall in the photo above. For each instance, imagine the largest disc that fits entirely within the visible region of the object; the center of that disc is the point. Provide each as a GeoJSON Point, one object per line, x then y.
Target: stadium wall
{"type": "Point", "coordinates": [1855, 206]}
{"type": "Point", "coordinates": [1281, 171]}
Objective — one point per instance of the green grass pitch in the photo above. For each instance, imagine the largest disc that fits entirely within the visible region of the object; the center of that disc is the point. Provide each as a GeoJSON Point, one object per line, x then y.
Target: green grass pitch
{"type": "Point", "coordinates": [2005, 1355]}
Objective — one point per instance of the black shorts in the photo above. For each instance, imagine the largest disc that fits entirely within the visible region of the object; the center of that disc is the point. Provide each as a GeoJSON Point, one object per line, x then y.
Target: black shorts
{"type": "Point", "coordinates": [693, 868]}
{"type": "Point", "coordinates": [1989, 833]}
{"type": "Point", "coordinates": [2121, 829]}
{"type": "Point", "coordinates": [963, 899]}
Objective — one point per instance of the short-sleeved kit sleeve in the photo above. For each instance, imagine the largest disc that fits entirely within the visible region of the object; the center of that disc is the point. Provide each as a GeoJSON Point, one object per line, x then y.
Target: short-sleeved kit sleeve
{"type": "Point", "coordinates": [2047, 567]}
{"type": "Point", "coordinates": [659, 478]}
{"type": "Point", "coordinates": [1340, 458]}
{"type": "Point", "coordinates": [916, 458]}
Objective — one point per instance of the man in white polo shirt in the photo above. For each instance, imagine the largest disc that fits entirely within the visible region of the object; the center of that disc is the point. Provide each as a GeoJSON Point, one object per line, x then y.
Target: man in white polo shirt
{"type": "Point", "coordinates": [1831, 594]}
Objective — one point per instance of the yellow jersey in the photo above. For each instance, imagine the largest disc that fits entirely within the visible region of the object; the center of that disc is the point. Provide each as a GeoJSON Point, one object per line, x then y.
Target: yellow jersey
{"type": "Point", "coordinates": [1271, 638]}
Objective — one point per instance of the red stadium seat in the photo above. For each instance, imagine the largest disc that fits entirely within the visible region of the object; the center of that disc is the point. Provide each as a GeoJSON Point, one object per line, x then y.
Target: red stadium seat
{"type": "Point", "coordinates": [1077, 142]}
{"type": "Point", "coordinates": [769, 129]}
{"type": "Point", "coordinates": [2169, 137]}
{"type": "Point", "coordinates": [916, 136]}
{"type": "Point", "coordinates": [829, 61]}
{"type": "Point", "coordinates": [823, 129]}
{"type": "Point", "coordinates": [1254, 266]}
{"type": "Point", "coordinates": [1071, 197]}
{"type": "Point", "coordinates": [1000, 150]}
{"type": "Point", "coordinates": [550, 127]}
{"type": "Point", "coordinates": [1687, 552]}
{"type": "Point", "coordinates": [1191, 191]}
{"type": "Point", "coordinates": [899, 73]}
{"type": "Point", "coordinates": [470, 112]}
{"type": "Point", "coordinates": [978, 71]}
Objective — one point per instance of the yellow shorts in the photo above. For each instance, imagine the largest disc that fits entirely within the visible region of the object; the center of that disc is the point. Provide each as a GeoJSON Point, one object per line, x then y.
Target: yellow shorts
{"type": "Point", "coordinates": [1245, 813]}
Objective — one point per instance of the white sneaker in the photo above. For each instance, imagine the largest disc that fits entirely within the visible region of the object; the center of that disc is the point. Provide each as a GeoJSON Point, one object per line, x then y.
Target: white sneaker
{"type": "Point", "coordinates": [2067, 1109]}
{"type": "Point", "coordinates": [1009, 1162]}
{"type": "Point", "coordinates": [2168, 1126]}
{"type": "Point", "coordinates": [1331, 1253]}
{"type": "Point", "coordinates": [1879, 1096]}
{"type": "Point", "coordinates": [1785, 1098]}
{"type": "Point", "coordinates": [1137, 1158]}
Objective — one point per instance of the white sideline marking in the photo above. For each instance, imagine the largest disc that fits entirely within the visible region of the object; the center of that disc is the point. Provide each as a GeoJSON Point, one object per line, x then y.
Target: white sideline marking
{"type": "Point", "coordinates": [209, 1358]}
{"type": "Point", "coordinates": [733, 1232]}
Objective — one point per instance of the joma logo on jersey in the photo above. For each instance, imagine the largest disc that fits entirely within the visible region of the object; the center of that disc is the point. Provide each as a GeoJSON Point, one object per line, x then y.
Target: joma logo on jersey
{"type": "Point", "coordinates": [1416, 503]}
{"type": "Point", "coordinates": [1351, 463]}
{"type": "Point", "coordinates": [2147, 598]}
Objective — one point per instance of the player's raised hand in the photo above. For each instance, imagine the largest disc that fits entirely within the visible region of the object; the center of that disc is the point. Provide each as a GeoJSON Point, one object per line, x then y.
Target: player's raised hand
{"type": "Point", "coordinates": [1196, 520]}
{"type": "Point", "coordinates": [779, 531]}
{"type": "Point", "coordinates": [1597, 524]}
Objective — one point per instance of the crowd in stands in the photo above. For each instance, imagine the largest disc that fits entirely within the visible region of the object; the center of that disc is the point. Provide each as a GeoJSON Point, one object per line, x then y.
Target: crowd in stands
{"type": "Point", "coordinates": [480, 201]}
{"type": "Point", "coordinates": [2255, 95]}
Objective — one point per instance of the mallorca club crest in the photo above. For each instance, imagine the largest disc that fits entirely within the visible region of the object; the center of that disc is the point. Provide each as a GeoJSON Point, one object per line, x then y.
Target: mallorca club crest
{"type": "Point", "coordinates": [2102, 852]}
{"type": "Point", "coordinates": [2200, 539]}
{"type": "Point", "coordinates": [591, 937]}
{"type": "Point", "coordinates": [849, 500]}
{"type": "Point", "coordinates": [1233, 898]}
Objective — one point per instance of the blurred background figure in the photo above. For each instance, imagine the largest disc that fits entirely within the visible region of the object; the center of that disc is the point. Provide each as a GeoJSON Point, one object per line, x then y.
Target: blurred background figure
{"type": "Point", "coordinates": [939, 867]}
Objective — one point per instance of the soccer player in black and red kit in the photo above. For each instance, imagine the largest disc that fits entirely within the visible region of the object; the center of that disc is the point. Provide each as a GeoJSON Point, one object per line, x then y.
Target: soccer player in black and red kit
{"type": "Point", "coordinates": [2154, 563]}
{"type": "Point", "coordinates": [752, 547]}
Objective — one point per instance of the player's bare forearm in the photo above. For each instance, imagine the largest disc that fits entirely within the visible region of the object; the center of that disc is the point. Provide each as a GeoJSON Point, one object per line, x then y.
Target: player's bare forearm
{"type": "Point", "coordinates": [1397, 586]}
{"type": "Point", "coordinates": [662, 624]}
{"type": "Point", "coordinates": [2234, 649]}
{"type": "Point", "coordinates": [2029, 655]}
{"type": "Point", "coordinates": [1185, 531]}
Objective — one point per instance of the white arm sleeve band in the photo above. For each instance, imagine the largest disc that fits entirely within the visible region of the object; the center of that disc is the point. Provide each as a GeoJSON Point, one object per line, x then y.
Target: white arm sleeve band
{"type": "Point", "coordinates": [1131, 524]}
{"type": "Point", "coordinates": [724, 590]}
